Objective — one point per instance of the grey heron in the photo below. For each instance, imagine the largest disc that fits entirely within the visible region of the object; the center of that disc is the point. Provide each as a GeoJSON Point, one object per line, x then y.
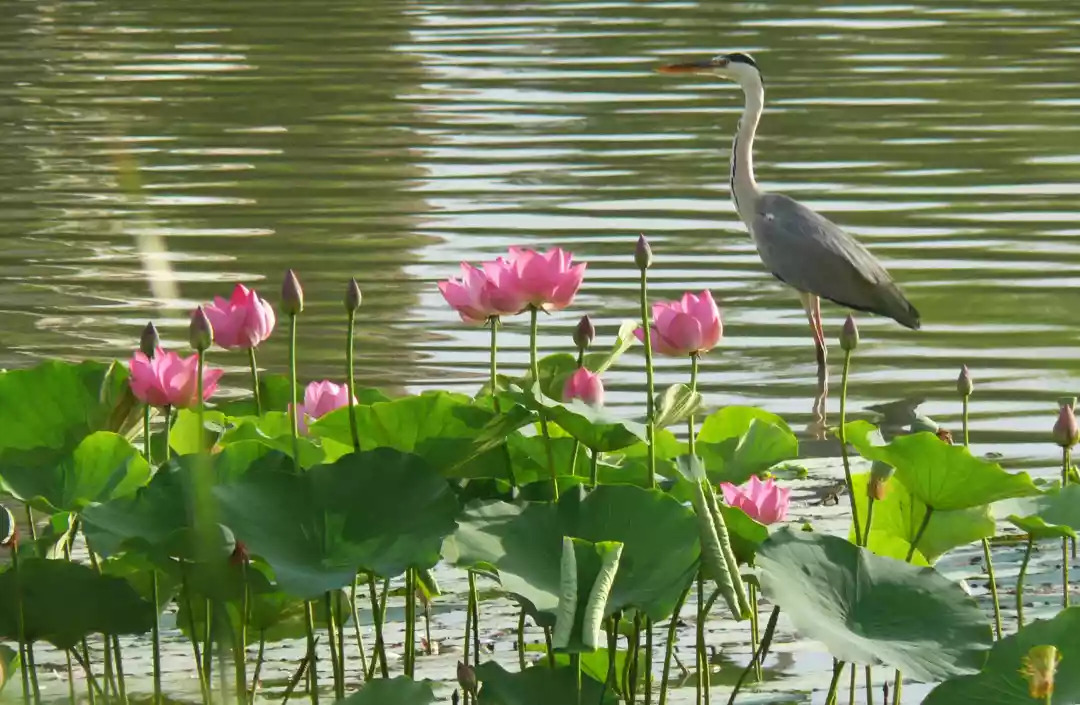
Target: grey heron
{"type": "Point", "coordinates": [798, 245]}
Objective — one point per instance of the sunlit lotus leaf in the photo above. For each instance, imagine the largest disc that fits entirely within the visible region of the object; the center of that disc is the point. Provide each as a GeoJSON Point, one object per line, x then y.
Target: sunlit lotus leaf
{"type": "Point", "coordinates": [736, 442]}
{"type": "Point", "coordinates": [1001, 682]}
{"type": "Point", "coordinates": [941, 475]}
{"type": "Point", "coordinates": [897, 519]}
{"type": "Point", "coordinates": [538, 685]}
{"type": "Point", "coordinates": [676, 404]}
{"type": "Point", "coordinates": [274, 429]}
{"type": "Point", "coordinates": [1038, 528]}
{"type": "Point", "coordinates": [391, 691]}
{"type": "Point", "coordinates": [64, 602]}
{"type": "Point", "coordinates": [869, 609]}
{"type": "Point", "coordinates": [524, 543]}
{"type": "Point", "coordinates": [186, 437]}
{"type": "Point", "coordinates": [103, 466]}
{"type": "Point", "coordinates": [594, 426]}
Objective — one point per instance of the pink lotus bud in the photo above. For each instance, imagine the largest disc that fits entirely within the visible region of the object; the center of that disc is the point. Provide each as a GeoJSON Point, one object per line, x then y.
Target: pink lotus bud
{"type": "Point", "coordinates": [849, 335]}
{"type": "Point", "coordinates": [292, 295]}
{"type": "Point", "coordinates": [166, 379]}
{"type": "Point", "coordinates": [689, 326]}
{"type": "Point", "coordinates": [547, 281]}
{"type": "Point", "coordinates": [642, 254]}
{"type": "Point", "coordinates": [1066, 431]}
{"type": "Point", "coordinates": [586, 386]}
{"type": "Point", "coordinates": [466, 677]}
{"type": "Point", "coordinates": [149, 341]}
{"type": "Point", "coordinates": [352, 297]}
{"type": "Point", "coordinates": [765, 502]}
{"type": "Point", "coordinates": [584, 334]}
{"type": "Point", "coordinates": [320, 398]}
{"type": "Point", "coordinates": [200, 330]}
{"type": "Point", "coordinates": [964, 385]}
{"type": "Point", "coordinates": [242, 322]}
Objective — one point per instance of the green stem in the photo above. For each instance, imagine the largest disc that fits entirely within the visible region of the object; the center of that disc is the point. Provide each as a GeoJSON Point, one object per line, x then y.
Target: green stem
{"type": "Point", "coordinates": [669, 646]}
{"type": "Point", "coordinates": [869, 521]}
{"type": "Point", "coordinates": [843, 447]}
{"type": "Point", "coordinates": [575, 665]}
{"type": "Point", "coordinates": [339, 617]}
{"type": "Point", "coordinates": [294, 409]}
{"type": "Point", "coordinates": [467, 648]}
{"type": "Point", "coordinates": [32, 664]}
{"type": "Point", "coordinates": [702, 655]}
{"type": "Point", "coordinates": [1020, 582]}
{"type": "Point", "coordinates": [534, 366]}
{"type": "Point", "coordinates": [967, 441]}
{"type": "Point", "coordinates": [650, 381]}
{"type": "Point", "coordinates": [313, 670]}
{"type": "Point", "coordinates": [410, 622]}
{"type": "Point", "coordinates": [493, 380]}
{"type": "Point", "coordinates": [195, 649]}
{"type": "Point", "coordinates": [759, 657]}
{"type": "Point", "coordinates": [71, 679]}
{"type": "Point", "coordinates": [693, 388]}
{"type": "Point", "coordinates": [168, 432]}
{"type": "Point", "coordinates": [119, 667]}
{"type": "Point", "coordinates": [550, 650]}
{"type": "Point", "coordinates": [869, 685]}
{"type": "Point", "coordinates": [634, 642]}
{"type": "Point", "coordinates": [258, 665]}
{"type": "Point", "coordinates": [474, 601]}
{"type": "Point", "coordinates": [754, 623]}
{"type": "Point", "coordinates": [911, 554]}
{"type": "Point", "coordinates": [350, 365]}
{"type": "Point", "coordinates": [255, 384]}
{"type": "Point", "coordinates": [331, 635]}
{"type": "Point", "coordinates": [898, 685]}
{"type": "Point", "coordinates": [31, 524]}
{"type": "Point", "coordinates": [521, 639]}
{"type": "Point", "coordinates": [23, 658]}
{"type": "Point", "coordinates": [356, 628]}
{"type": "Point", "coordinates": [240, 647]}
{"type": "Point", "coordinates": [838, 668]}
{"type": "Point", "coordinates": [92, 686]}
{"type": "Point", "coordinates": [1066, 461]}
{"type": "Point", "coordinates": [851, 685]}
{"type": "Point", "coordinates": [594, 468]}
{"type": "Point", "coordinates": [610, 681]}
{"type": "Point", "coordinates": [993, 587]}
{"type": "Point", "coordinates": [379, 615]}
{"type": "Point", "coordinates": [208, 647]}
{"type": "Point", "coordinates": [648, 660]}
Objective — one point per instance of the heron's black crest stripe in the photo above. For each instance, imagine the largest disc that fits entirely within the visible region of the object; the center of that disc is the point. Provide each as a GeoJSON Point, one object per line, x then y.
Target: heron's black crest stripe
{"type": "Point", "coordinates": [740, 58]}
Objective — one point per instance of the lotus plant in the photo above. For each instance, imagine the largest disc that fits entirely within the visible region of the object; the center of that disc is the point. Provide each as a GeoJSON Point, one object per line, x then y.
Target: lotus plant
{"type": "Point", "coordinates": [1066, 433]}
{"type": "Point", "coordinates": [763, 501]}
{"type": "Point", "coordinates": [242, 322]}
{"type": "Point", "coordinates": [320, 398]}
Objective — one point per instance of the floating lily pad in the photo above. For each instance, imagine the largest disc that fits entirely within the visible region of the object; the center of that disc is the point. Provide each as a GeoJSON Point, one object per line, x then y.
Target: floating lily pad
{"type": "Point", "coordinates": [869, 609]}
{"type": "Point", "coordinates": [538, 685]}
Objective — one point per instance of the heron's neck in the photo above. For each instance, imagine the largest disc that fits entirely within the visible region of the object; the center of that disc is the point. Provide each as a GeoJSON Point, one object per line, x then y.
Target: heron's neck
{"type": "Point", "coordinates": [744, 188]}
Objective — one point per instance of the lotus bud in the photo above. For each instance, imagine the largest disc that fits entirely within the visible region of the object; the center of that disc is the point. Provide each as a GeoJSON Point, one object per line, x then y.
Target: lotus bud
{"type": "Point", "coordinates": [200, 332]}
{"type": "Point", "coordinates": [292, 294]}
{"type": "Point", "coordinates": [352, 297]}
{"type": "Point", "coordinates": [880, 474]}
{"type": "Point", "coordinates": [849, 335]}
{"type": "Point", "coordinates": [1066, 432]}
{"type": "Point", "coordinates": [584, 334]}
{"type": "Point", "coordinates": [149, 341]}
{"type": "Point", "coordinates": [466, 677]}
{"type": "Point", "coordinates": [8, 532]}
{"type": "Point", "coordinates": [964, 384]}
{"type": "Point", "coordinates": [642, 254]}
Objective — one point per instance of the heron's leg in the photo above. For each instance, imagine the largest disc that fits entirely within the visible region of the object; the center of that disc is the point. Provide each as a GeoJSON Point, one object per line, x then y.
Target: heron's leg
{"type": "Point", "coordinates": [812, 305]}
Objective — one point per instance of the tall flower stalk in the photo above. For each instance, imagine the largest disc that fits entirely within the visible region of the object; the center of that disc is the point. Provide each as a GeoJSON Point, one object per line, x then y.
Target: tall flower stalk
{"type": "Point", "coordinates": [148, 344]}
{"type": "Point", "coordinates": [643, 259]}
{"type": "Point", "coordinates": [1066, 434]}
{"type": "Point", "coordinates": [292, 304]}
{"type": "Point", "coordinates": [849, 340]}
{"type": "Point", "coordinates": [534, 367]}
{"type": "Point", "coordinates": [242, 322]}
{"type": "Point", "coordinates": [352, 305]}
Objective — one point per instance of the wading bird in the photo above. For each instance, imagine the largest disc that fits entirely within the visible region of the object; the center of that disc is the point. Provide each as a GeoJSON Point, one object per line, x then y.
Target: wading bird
{"type": "Point", "coordinates": [800, 247]}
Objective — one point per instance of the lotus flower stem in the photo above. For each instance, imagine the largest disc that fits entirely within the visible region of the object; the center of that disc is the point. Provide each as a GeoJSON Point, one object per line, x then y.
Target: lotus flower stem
{"type": "Point", "coordinates": [898, 684]}
{"type": "Point", "coordinates": [31, 524]}
{"type": "Point", "coordinates": [335, 656]}
{"type": "Point", "coordinates": [154, 597]}
{"type": "Point", "coordinates": [650, 380]}
{"type": "Point", "coordinates": [550, 650]}
{"type": "Point", "coordinates": [1066, 461]}
{"type": "Point", "coordinates": [258, 666]}
{"type": "Point", "coordinates": [185, 589]}
{"type": "Point", "coordinates": [534, 365]}
{"type": "Point", "coordinates": [613, 647]}
{"type": "Point", "coordinates": [467, 649]}
{"type": "Point", "coordinates": [313, 669]}
{"type": "Point", "coordinates": [474, 600]}
{"type": "Point", "coordinates": [1020, 582]}
{"type": "Point", "coordinates": [634, 642]}
{"type": "Point", "coordinates": [168, 430]}
{"type": "Point", "coordinates": [703, 683]}
{"type": "Point", "coordinates": [410, 622]}
{"type": "Point", "coordinates": [255, 381]}
{"type": "Point", "coordinates": [339, 616]}
{"type": "Point", "coordinates": [869, 685]}
{"type": "Point", "coordinates": [575, 665]}
{"type": "Point", "coordinates": [842, 433]}
{"type": "Point", "coordinates": [690, 424]}
{"type": "Point", "coordinates": [119, 667]}
{"type": "Point", "coordinates": [208, 648]}
{"type": "Point", "coordinates": [669, 646]}
{"type": "Point", "coordinates": [294, 409]}
{"type": "Point", "coordinates": [427, 626]}
{"type": "Point", "coordinates": [992, 582]}
{"type": "Point", "coordinates": [754, 618]}
{"type": "Point", "coordinates": [648, 660]}
{"type": "Point", "coordinates": [356, 629]}
{"type": "Point", "coordinates": [759, 657]}
{"type": "Point", "coordinates": [23, 645]}
{"type": "Point", "coordinates": [521, 639]}
{"type": "Point", "coordinates": [295, 680]}
{"type": "Point", "coordinates": [594, 468]}
{"type": "Point", "coordinates": [869, 520]}
{"type": "Point", "coordinates": [378, 656]}
{"type": "Point", "coordinates": [851, 685]}
{"type": "Point", "coordinates": [350, 365]}
{"type": "Point", "coordinates": [838, 668]}
{"type": "Point", "coordinates": [92, 686]}
{"type": "Point", "coordinates": [240, 648]}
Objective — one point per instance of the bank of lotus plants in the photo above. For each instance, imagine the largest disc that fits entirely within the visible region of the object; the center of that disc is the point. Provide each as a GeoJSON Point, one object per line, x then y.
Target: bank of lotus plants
{"type": "Point", "coordinates": [140, 491]}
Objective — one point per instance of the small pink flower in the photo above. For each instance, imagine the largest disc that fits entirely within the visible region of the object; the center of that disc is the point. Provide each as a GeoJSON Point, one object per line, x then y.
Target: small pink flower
{"type": "Point", "coordinates": [686, 327]}
{"type": "Point", "coordinates": [170, 380]}
{"type": "Point", "coordinates": [548, 281]}
{"type": "Point", "coordinates": [242, 322]}
{"type": "Point", "coordinates": [586, 386]}
{"type": "Point", "coordinates": [320, 398]}
{"type": "Point", "coordinates": [765, 502]}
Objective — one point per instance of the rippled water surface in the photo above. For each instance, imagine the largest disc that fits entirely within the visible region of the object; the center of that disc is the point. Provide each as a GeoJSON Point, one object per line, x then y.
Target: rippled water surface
{"type": "Point", "coordinates": [152, 153]}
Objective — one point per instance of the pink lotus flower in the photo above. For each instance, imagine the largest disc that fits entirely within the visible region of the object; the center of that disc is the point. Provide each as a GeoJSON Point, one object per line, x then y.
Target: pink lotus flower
{"type": "Point", "coordinates": [547, 281]}
{"type": "Point", "coordinates": [765, 502]}
{"type": "Point", "coordinates": [586, 386]}
{"type": "Point", "coordinates": [689, 326]}
{"type": "Point", "coordinates": [170, 380]}
{"type": "Point", "coordinates": [476, 297]}
{"type": "Point", "coordinates": [320, 398]}
{"type": "Point", "coordinates": [242, 322]}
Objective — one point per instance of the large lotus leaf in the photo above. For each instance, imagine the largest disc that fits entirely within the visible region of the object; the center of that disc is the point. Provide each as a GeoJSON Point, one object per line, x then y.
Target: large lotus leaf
{"type": "Point", "coordinates": [739, 441]}
{"type": "Point", "coordinates": [440, 427]}
{"type": "Point", "coordinates": [1000, 681]}
{"type": "Point", "coordinates": [186, 436]}
{"type": "Point", "coordinates": [393, 691]}
{"type": "Point", "coordinates": [64, 602]}
{"type": "Point", "coordinates": [524, 543]}
{"type": "Point", "coordinates": [382, 511]}
{"type": "Point", "coordinates": [1061, 506]}
{"type": "Point", "coordinates": [746, 534]}
{"type": "Point", "coordinates": [274, 429]}
{"type": "Point", "coordinates": [897, 519]}
{"type": "Point", "coordinates": [538, 685]}
{"type": "Point", "coordinates": [594, 426]}
{"type": "Point", "coordinates": [1037, 528]}
{"type": "Point", "coordinates": [869, 609]}
{"type": "Point", "coordinates": [940, 474]}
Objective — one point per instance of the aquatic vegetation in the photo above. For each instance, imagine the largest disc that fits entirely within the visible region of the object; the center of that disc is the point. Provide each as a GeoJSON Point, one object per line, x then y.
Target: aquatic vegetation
{"type": "Point", "coordinates": [273, 517]}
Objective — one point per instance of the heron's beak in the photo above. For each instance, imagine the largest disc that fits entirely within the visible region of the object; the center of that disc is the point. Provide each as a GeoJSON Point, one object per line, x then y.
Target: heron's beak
{"type": "Point", "coordinates": [691, 67]}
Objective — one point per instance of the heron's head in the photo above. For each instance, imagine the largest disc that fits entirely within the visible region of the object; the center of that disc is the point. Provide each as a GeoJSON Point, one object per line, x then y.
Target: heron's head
{"type": "Point", "coordinates": [737, 67]}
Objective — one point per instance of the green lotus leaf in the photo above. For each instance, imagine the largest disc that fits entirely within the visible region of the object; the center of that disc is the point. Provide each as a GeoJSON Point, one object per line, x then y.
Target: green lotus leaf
{"type": "Point", "coordinates": [941, 475]}
{"type": "Point", "coordinates": [676, 404]}
{"type": "Point", "coordinates": [185, 435]}
{"type": "Point", "coordinates": [274, 430]}
{"type": "Point", "coordinates": [1000, 681]}
{"type": "Point", "coordinates": [587, 573]}
{"type": "Point", "coordinates": [275, 395]}
{"type": "Point", "coordinates": [103, 466]}
{"type": "Point", "coordinates": [594, 426]}
{"type": "Point", "coordinates": [897, 519]}
{"type": "Point", "coordinates": [1061, 506]}
{"type": "Point", "coordinates": [538, 685]}
{"type": "Point", "coordinates": [739, 441]}
{"type": "Point", "coordinates": [65, 602]}
{"type": "Point", "coordinates": [870, 609]}
{"type": "Point", "coordinates": [746, 534]}
{"type": "Point", "coordinates": [1038, 528]}
{"type": "Point", "coordinates": [524, 543]}
{"type": "Point", "coordinates": [392, 691]}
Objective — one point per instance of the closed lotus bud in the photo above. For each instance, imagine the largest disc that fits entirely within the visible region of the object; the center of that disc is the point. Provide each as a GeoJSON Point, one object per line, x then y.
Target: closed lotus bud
{"type": "Point", "coordinates": [7, 528]}
{"type": "Point", "coordinates": [292, 294]}
{"type": "Point", "coordinates": [849, 334]}
{"type": "Point", "coordinates": [584, 334]}
{"type": "Point", "coordinates": [1066, 431]}
{"type": "Point", "coordinates": [964, 384]}
{"type": "Point", "coordinates": [149, 341]}
{"type": "Point", "coordinates": [200, 332]}
{"type": "Point", "coordinates": [880, 474]}
{"type": "Point", "coordinates": [352, 297]}
{"type": "Point", "coordinates": [466, 677]}
{"type": "Point", "coordinates": [642, 254]}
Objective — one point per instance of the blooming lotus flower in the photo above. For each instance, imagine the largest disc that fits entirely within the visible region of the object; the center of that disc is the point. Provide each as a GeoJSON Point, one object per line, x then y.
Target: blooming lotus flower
{"type": "Point", "coordinates": [320, 398]}
{"type": "Point", "coordinates": [471, 295]}
{"type": "Point", "coordinates": [689, 326]}
{"type": "Point", "coordinates": [765, 502]}
{"type": "Point", "coordinates": [586, 386]}
{"type": "Point", "coordinates": [546, 281]}
{"type": "Point", "coordinates": [167, 379]}
{"type": "Point", "coordinates": [242, 322]}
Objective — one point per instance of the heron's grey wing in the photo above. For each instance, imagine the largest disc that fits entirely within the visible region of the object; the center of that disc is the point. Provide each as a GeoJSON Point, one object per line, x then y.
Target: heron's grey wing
{"type": "Point", "coordinates": [813, 255]}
